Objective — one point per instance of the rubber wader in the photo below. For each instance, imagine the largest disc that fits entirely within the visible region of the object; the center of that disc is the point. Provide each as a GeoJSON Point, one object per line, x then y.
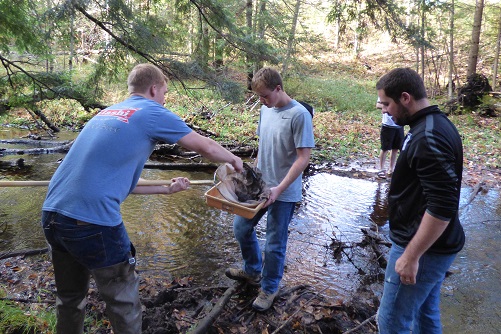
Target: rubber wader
{"type": "Point", "coordinates": [118, 286]}
{"type": "Point", "coordinates": [72, 282]}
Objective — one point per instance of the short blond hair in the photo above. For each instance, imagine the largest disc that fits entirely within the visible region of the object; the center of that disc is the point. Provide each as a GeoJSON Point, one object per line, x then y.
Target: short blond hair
{"type": "Point", "coordinates": [143, 76]}
{"type": "Point", "coordinates": [266, 77]}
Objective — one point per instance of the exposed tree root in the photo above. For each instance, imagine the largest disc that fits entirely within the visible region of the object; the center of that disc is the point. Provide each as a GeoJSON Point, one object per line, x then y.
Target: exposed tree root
{"type": "Point", "coordinates": [206, 322]}
{"type": "Point", "coordinates": [365, 322]}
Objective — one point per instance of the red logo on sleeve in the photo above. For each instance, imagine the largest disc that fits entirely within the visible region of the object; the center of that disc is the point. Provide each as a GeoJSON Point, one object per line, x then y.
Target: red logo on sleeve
{"type": "Point", "coordinates": [122, 115]}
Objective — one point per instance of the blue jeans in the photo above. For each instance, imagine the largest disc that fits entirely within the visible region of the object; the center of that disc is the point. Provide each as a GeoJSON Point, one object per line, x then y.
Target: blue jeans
{"type": "Point", "coordinates": [80, 250]}
{"type": "Point", "coordinates": [91, 245]}
{"type": "Point", "coordinates": [277, 226]}
{"type": "Point", "coordinates": [413, 306]}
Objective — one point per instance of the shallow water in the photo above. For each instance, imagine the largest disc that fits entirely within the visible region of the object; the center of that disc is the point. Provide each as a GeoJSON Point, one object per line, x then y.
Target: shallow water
{"type": "Point", "coordinates": [179, 235]}
{"type": "Point", "coordinates": [471, 300]}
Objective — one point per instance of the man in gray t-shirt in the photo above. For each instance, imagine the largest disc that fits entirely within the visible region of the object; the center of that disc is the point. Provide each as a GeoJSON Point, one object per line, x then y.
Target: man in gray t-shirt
{"type": "Point", "coordinates": [285, 133]}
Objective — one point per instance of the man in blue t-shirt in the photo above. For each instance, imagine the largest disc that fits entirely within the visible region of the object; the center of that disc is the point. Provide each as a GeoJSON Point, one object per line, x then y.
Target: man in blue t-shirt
{"type": "Point", "coordinates": [81, 214]}
{"type": "Point", "coordinates": [285, 133]}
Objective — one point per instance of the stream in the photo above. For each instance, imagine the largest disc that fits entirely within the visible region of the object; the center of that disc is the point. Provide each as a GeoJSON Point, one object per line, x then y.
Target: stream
{"type": "Point", "coordinates": [179, 235]}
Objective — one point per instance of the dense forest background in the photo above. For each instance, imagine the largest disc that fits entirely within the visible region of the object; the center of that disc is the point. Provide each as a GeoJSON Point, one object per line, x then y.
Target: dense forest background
{"type": "Point", "coordinates": [80, 49]}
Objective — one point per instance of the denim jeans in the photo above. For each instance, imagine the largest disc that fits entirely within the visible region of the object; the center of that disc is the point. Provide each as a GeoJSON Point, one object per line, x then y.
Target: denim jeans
{"type": "Point", "coordinates": [80, 250]}
{"type": "Point", "coordinates": [277, 226]}
{"type": "Point", "coordinates": [93, 246]}
{"type": "Point", "coordinates": [417, 307]}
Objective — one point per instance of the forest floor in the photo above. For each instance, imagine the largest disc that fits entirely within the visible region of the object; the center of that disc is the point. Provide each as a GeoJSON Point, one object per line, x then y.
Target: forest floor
{"type": "Point", "coordinates": [180, 307]}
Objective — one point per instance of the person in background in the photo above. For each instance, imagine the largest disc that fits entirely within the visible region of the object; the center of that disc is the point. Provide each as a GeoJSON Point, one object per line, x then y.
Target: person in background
{"type": "Point", "coordinates": [392, 136]}
{"type": "Point", "coordinates": [81, 216]}
{"type": "Point", "coordinates": [423, 203]}
{"type": "Point", "coordinates": [285, 133]}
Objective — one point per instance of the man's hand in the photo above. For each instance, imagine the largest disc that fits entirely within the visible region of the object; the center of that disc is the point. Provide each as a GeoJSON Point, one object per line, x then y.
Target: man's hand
{"type": "Point", "coordinates": [238, 165]}
{"type": "Point", "coordinates": [274, 193]}
{"type": "Point", "coordinates": [178, 184]}
{"type": "Point", "coordinates": [407, 269]}
{"type": "Point", "coordinates": [428, 232]}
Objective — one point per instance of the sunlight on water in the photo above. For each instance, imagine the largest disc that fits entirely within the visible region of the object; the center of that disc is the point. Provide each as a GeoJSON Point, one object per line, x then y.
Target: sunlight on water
{"type": "Point", "coordinates": [182, 234]}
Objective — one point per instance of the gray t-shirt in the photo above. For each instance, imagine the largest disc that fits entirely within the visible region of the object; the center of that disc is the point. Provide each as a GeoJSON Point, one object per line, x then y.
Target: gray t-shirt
{"type": "Point", "coordinates": [281, 131]}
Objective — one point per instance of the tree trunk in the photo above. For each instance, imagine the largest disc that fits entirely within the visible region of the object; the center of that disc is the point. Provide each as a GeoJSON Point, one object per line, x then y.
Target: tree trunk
{"type": "Point", "coordinates": [408, 13]}
{"type": "Point", "coordinates": [422, 48]}
{"type": "Point", "coordinates": [219, 51]}
{"type": "Point", "coordinates": [203, 43]}
{"type": "Point", "coordinates": [72, 40]}
{"type": "Point", "coordinates": [450, 89]}
{"type": "Point", "coordinates": [257, 26]}
{"type": "Point", "coordinates": [250, 31]}
{"type": "Point", "coordinates": [261, 27]}
{"type": "Point", "coordinates": [337, 33]}
{"type": "Point", "coordinates": [292, 36]}
{"type": "Point", "coordinates": [356, 38]}
{"type": "Point", "coordinates": [475, 38]}
{"type": "Point", "coordinates": [496, 57]}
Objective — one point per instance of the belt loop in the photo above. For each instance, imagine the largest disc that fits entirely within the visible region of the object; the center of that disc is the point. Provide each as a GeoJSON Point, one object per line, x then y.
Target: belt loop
{"type": "Point", "coordinates": [132, 254]}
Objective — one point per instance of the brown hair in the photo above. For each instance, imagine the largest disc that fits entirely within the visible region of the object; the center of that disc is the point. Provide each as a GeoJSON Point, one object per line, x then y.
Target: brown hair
{"type": "Point", "coordinates": [400, 80]}
{"type": "Point", "coordinates": [143, 76]}
{"type": "Point", "coordinates": [266, 78]}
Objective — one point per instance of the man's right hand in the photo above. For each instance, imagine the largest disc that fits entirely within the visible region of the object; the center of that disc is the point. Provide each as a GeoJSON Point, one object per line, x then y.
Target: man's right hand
{"type": "Point", "coordinates": [238, 164]}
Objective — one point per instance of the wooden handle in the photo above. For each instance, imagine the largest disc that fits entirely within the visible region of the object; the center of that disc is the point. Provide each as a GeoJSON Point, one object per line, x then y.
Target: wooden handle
{"type": "Point", "coordinates": [139, 183]}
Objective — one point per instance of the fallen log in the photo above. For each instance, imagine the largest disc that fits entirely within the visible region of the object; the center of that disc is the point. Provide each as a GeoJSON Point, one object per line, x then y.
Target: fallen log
{"type": "Point", "coordinates": [58, 149]}
{"type": "Point", "coordinates": [182, 166]}
{"type": "Point", "coordinates": [35, 142]}
{"type": "Point", "coordinates": [204, 325]}
{"type": "Point", "coordinates": [24, 253]}
{"type": "Point", "coordinates": [29, 301]}
{"type": "Point", "coordinates": [365, 322]}
{"type": "Point", "coordinates": [478, 187]}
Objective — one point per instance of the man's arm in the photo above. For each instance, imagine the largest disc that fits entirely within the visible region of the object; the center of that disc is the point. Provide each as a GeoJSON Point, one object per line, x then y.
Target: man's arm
{"type": "Point", "coordinates": [303, 158]}
{"type": "Point", "coordinates": [178, 184]}
{"type": "Point", "coordinates": [429, 231]}
{"type": "Point", "coordinates": [210, 149]}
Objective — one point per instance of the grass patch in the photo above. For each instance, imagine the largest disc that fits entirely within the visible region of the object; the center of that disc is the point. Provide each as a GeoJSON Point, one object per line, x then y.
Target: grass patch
{"type": "Point", "coordinates": [14, 319]}
{"type": "Point", "coordinates": [333, 94]}
{"type": "Point", "coordinates": [481, 139]}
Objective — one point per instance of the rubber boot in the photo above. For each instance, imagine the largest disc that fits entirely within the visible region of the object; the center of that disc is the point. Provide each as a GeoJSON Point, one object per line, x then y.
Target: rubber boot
{"type": "Point", "coordinates": [118, 286]}
{"type": "Point", "coordinates": [72, 282]}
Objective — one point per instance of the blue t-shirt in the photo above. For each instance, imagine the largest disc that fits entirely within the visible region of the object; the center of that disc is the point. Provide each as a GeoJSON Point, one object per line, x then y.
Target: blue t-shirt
{"type": "Point", "coordinates": [106, 160]}
{"type": "Point", "coordinates": [281, 131]}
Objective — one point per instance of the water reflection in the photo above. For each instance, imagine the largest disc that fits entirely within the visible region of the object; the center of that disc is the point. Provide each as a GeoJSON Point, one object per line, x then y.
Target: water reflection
{"type": "Point", "coordinates": [379, 214]}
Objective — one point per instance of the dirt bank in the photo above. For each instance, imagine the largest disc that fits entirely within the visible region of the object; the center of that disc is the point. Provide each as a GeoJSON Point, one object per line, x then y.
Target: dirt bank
{"type": "Point", "coordinates": [179, 306]}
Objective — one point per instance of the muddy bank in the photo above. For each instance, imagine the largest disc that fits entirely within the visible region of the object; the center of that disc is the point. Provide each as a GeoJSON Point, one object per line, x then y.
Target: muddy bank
{"type": "Point", "coordinates": [179, 306]}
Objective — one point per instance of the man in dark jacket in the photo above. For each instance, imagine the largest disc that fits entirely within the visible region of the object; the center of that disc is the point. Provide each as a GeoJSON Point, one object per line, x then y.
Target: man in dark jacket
{"type": "Point", "coordinates": [423, 207]}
